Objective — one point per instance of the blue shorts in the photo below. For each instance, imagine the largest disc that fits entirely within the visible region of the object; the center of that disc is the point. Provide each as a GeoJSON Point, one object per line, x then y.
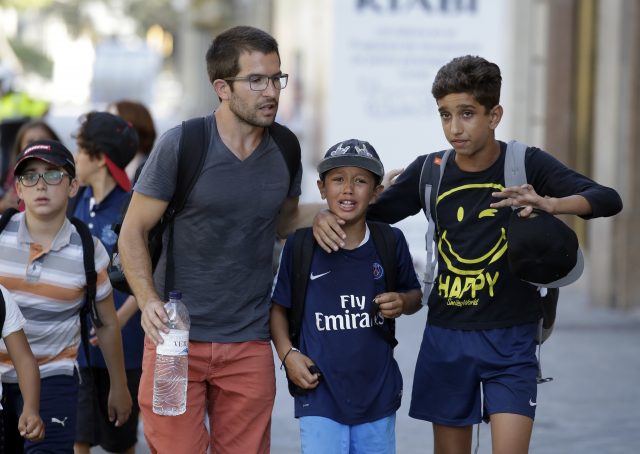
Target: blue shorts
{"type": "Point", "coordinates": [456, 369]}
{"type": "Point", "coordinates": [319, 435]}
{"type": "Point", "coordinates": [58, 401]}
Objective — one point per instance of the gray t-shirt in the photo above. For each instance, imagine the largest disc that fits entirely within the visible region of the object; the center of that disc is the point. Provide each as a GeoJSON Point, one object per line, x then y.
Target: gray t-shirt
{"type": "Point", "coordinates": [224, 236]}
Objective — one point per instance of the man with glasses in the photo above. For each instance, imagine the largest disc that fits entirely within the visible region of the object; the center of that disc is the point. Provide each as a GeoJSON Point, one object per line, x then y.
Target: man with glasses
{"type": "Point", "coordinates": [43, 268]}
{"type": "Point", "coordinates": [222, 251]}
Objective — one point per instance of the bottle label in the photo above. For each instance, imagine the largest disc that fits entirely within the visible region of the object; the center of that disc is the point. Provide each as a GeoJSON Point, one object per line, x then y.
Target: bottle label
{"type": "Point", "coordinates": [176, 343]}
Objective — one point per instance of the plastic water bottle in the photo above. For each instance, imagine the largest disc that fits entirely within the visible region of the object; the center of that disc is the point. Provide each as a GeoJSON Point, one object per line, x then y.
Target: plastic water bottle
{"type": "Point", "coordinates": [170, 373]}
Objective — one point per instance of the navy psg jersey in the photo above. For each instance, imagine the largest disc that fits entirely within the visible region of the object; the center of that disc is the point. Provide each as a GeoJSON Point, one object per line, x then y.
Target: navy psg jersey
{"type": "Point", "coordinates": [361, 379]}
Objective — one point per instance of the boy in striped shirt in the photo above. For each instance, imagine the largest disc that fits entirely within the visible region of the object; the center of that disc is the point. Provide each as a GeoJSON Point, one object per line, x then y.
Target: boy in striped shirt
{"type": "Point", "coordinates": [41, 264]}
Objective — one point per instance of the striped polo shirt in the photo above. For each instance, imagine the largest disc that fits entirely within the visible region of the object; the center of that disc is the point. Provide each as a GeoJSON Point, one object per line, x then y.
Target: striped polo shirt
{"type": "Point", "coordinates": [49, 288]}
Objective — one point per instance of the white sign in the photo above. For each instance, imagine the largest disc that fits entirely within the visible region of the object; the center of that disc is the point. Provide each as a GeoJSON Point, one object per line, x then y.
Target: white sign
{"type": "Point", "coordinates": [385, 56]}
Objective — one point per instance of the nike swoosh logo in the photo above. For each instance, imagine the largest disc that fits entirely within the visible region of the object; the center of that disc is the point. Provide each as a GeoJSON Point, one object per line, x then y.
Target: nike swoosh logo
{"type": "Point", "coordinates": [533, 404]}
{"type": "Point", "coordinates": [313, 277]}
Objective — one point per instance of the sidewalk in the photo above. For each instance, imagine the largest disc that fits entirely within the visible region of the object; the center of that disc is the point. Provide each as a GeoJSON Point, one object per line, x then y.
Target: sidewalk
{"type": "Point", "coordinates": [591, 407]}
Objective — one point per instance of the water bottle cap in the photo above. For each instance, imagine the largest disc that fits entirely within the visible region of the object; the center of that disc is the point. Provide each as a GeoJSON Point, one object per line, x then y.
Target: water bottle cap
{"type": "Point", "coordinates": [175, 295]}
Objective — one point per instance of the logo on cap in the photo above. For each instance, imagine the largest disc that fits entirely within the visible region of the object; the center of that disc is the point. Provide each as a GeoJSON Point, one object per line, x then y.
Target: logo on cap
{"type": "Point", "coordinates": [363, 151]}
{"type": "Point", "coordinates": [340, 150]}
{"type": "Point", "coordinates": [37, 147]}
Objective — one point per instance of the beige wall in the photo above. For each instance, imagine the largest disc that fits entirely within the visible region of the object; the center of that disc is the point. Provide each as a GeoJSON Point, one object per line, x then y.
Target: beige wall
{"type": "Point", "coordinates": [591, 125]}
{"type": "Point", "coordinates": [615, 244]}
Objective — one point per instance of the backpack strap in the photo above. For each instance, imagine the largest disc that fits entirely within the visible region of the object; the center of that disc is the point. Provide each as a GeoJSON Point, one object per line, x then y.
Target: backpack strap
{"type": "Point", "coordinates": [88, 258]}
{"type": "Point", "coordinates": [3, 310]}
{"type": "Point", "coordinates": [4, 220]}
{"type": "Point", "coordinates": [430, 178]}
{"type": "Point", "coordinates": [303, 247]}
{"type": "Point", "coordinates": [6, 217]}
{"type": "Point", "coordinates": [514, 169]}
{"type": "Point", "coordinates": [192, 152]}
{"type": "Point", "coordinates": [289, 147]}
{"type": "Point", "coordinates": [385, 243]}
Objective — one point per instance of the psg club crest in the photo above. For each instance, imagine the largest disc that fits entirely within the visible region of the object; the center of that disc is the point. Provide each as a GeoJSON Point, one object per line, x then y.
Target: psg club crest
{"type": "Point", "coordinates": [378, 271]}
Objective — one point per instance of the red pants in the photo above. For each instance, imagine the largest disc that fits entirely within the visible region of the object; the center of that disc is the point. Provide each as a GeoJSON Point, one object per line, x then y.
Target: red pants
{"type": "Point", "coordinates": [235, 382]}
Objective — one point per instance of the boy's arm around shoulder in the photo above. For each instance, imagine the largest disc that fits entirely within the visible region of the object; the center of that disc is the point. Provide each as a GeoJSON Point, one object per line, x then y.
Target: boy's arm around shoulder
{"type": "Point", "coordinates": [402, 198]}
{"type": "Point", "coordinates": [30, 424]}
{"type": "Point", "coordinates": [110, 341]}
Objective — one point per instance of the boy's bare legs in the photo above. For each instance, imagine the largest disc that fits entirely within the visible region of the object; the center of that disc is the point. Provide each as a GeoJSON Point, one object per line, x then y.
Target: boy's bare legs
{"type": "Point", "coordinates": [81, 448]}
{"type": "Point", "coordinates": [451, 440]}
{"type": "Point", "coordinates": [510, 433]}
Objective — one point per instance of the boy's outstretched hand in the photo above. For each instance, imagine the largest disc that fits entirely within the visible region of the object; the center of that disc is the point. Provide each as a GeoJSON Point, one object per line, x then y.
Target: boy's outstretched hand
{"type": "Point", "coordinates": [298, 370]}
{"type": "Point", "coordinates": [31, 427]}
{"type": "Point", "coordinates": [522, 196]}
{"type": "Point", "coordinates": [526, 197]}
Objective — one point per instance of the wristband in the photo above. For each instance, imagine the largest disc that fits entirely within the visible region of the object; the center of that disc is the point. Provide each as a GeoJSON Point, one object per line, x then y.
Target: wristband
{"type": "Point", "coordinates": [292, 349]}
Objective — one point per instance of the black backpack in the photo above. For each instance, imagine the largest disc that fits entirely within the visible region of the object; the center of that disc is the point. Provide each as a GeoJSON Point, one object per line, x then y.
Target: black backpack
{"type": "Point", "coordinates": [88, 258]}
{"type": "Point", "coordinates": [193, 146]}
{"type": "Point", "coordinates": [3, 311]}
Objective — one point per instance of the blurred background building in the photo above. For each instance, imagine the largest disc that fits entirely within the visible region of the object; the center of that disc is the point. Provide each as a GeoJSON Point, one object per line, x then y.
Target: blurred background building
{"type": "Point", "coordinates": [360, 68]}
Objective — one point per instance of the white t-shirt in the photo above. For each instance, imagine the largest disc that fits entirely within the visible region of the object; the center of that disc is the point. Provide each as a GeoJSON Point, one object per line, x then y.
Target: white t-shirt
{"type": "Point", "coordinates": [13, 319]}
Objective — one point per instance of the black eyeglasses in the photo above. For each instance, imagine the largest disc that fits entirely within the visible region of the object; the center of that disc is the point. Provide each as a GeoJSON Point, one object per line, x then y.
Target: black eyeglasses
{"type": "Point", "coordinates": [51, 177]}
{"type": "Point", "coordinates": [259, 82]}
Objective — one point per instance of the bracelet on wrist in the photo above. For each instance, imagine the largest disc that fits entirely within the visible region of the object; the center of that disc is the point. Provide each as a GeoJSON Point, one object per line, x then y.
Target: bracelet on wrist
{"type": "Point", "coordinates": [292, 349]}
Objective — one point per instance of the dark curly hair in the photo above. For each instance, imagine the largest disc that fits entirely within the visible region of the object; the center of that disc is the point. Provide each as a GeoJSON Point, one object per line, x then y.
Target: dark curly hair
{"type": "Point", "coordinates": [90, 147]}
{"type": "Point", "coordinates": [474, 75]}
